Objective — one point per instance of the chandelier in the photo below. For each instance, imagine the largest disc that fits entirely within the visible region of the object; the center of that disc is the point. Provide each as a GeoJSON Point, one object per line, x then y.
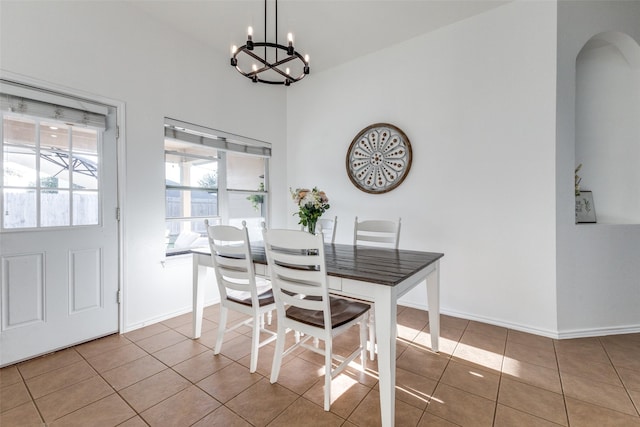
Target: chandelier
{"type": "Point", "coordinates": [277, 64]}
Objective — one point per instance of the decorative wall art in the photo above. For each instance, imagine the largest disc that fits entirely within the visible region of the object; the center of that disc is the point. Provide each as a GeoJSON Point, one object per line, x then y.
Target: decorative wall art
{"type": "Point", "coordinates": [379, 158]}
{"type": "Point", "coordinates": [585, 210]}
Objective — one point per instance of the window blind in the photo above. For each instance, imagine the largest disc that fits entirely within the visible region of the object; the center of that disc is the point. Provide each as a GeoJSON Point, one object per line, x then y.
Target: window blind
{"type": "Point", "coordinates": [29, 101]}
{"type": "Point", "coordinates": [214, 138]}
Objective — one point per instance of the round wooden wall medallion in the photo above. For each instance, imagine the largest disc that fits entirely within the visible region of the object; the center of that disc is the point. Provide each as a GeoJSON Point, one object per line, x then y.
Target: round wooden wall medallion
{"type": "Point", "coordinates": [379, 158]}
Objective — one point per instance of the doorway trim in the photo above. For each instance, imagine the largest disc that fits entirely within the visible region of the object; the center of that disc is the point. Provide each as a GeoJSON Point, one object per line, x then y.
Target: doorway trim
{"type": "Point", "coordinates": [119, 106]}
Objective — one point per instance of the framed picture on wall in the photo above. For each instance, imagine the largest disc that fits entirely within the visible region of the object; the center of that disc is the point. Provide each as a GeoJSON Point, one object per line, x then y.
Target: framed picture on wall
{"type": "Point", "coordinates": [585, 210]}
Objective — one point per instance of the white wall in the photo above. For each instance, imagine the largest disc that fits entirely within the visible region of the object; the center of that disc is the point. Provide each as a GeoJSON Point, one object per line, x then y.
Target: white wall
{"type": "Point", "coordinates": [113, 50]}
{"type": "Point", "coordinates": [477, 101]}
{"type": "Point", "coordinates": [598, 270]}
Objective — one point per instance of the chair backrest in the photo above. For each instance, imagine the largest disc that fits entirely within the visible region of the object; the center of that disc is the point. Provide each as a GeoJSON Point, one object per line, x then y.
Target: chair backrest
{"type": "Point", "coordinates": [297, 264]}
{"type": "Point", "coordinates": [328, 228]}
{"type": "Point", "coordinates": [231, 254]}
{"type": "Point", "coordinates": [383, 233]}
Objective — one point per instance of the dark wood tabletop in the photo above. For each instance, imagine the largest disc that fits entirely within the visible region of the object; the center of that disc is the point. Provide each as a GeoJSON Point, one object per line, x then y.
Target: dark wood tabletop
{"type": "Point", "coordinates": [368, 264]}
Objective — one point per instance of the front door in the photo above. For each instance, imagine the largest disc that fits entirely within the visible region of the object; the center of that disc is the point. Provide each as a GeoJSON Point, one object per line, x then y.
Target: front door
{"type": "Point", "coordinates": [58, 235]}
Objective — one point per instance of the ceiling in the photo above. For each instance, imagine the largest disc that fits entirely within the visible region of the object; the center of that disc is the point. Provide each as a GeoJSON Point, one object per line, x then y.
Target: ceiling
{"type": "Point", "coordinates": [332, 32]}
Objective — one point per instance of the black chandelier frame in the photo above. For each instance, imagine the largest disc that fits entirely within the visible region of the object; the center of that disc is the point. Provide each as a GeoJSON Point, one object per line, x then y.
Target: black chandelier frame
{"type": "Point", "coordinates": [291, 55]}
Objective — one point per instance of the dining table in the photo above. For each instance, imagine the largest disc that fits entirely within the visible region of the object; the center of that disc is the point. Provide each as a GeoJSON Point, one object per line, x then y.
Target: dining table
{"type": "Point", "coordinates": [377, 275]}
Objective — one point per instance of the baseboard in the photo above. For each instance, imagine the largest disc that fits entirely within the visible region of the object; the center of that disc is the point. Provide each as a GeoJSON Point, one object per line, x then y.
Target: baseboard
{"type": "Point", "coordinates": [567, 334]}
{"type": "Point", "coordinates": [167, 316]}
{"type": "Point", "coordinates": [598, 332]}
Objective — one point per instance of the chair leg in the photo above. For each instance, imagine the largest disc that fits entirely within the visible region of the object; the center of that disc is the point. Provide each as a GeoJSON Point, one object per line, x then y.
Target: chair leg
{"type": "Point", "coordinates": [277, 355]}
{"type": "Point", "coordinates": [363, 342]}
{"type": "Point", "coordinates": [372, 336]}
{"type": "Point", "coordinates": [221, 329]}
{"type": "Point", "coordinates": [328, 348]}
{"type": "Point", "coordinates": [269, 317]}
{"type": "Point", "coordinates": [258, 321]}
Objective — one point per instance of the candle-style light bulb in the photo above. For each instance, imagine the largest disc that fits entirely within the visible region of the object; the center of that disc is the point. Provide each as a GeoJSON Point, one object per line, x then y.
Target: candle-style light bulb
{"type": "Point", "coordinates": [234, 61]}
{"type": "Point", "coordinates": [234, 49]}
{"type": "Point", "coordinates": [287, 70]}
{"type": "Point", "coordinates": [250, 38]}
{"type": "Point", "coordinates": [306, 59]}
{"type": "Point", "coordinates": [290, 46]}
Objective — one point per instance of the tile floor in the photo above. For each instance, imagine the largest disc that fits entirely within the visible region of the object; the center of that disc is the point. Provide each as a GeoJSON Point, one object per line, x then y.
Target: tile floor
{"type": "Point", "coordinates": [483, 376]}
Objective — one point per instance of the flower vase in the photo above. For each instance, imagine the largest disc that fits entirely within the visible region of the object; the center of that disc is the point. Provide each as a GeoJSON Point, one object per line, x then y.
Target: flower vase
{"type": "Point", "coordinates": [311, 227]}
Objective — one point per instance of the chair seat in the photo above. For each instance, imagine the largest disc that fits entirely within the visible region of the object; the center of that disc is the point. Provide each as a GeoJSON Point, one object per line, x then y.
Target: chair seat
{"type": "Point", "coordinates": [342, 311]}
{"type": "Point", "coordinates": [264, 298]}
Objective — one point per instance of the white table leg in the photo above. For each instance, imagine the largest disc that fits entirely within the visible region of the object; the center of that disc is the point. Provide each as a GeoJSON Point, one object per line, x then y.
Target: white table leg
{"type": "Point", "coordinates": [433, 300]}
{"type": "Point", "coordinates": [386, 329]}
{"type": "Point", "coordinates": [198, 297]}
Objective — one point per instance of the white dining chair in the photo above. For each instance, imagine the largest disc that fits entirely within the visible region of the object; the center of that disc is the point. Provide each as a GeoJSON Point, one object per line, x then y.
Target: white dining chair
{"type": "Point", "coordinates": [375, 232]}
{"type": "Point", "coordinates": [379, 233]}
{"type": "Point", "coordinates": [240, 289]}
{"type": "Point", "coordinates": [327, 227]}
{"type": "Point", "coordinates": [300, 286]}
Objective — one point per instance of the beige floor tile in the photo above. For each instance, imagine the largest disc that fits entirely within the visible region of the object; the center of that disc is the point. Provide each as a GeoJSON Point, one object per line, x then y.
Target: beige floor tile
{"type": "Point", "coordinates": [536, 355]}
{"type": "Point", "coordinates": [299, 375]}
{"type": "Point", "coordinates": [533, 400]}
{"type": "Point", "coordinates": [9, 375]}
{"type": "Point", "coordinates": [598, 393]}
{"type": "Point", "coordinates": [535, 375]}
{"type": "Point", "coordinates": [413, 389]}
{"type": "Point", "coordinates": [236, 348]}
{"type": "Point", "coordinates": [229, 382]}
{"type": "Point", "coordinates": [509, 417]}
{"type": "Point", "coordinates": [23, 415]}
{"type": "Point", "coordinates": [60, 378]}
{"type": "Point", "coordinates": [530, 340]}
{"type": "Point", "coordinates": [130, 373]}
{"type": "Point", "coordinates": [182, 409]}
{"type": "Point", "coordinates": [430, 420]}
{"type": "Point", "coordinates": [302, 409]}
{"type": "Point", "coordinates": [101, 345]}
{"type": "Point", "coordinates": [159, 341]}
{"type": "Point", "coordinates": [486, 329]}
{"type": "Point", "coordinates": [447, 341]}
{"type": "Point", "coordinates": [623, 357]}
{"type": "Point", "coordinates": [603, 372]}
{"type": "Point", "coordinates": [133, 422]}
{"type": "Point", "coordinates": [368, 412]}
{"type": "Point", "coordinates": [187, 329]}
{"type": "Point", "coordinates": [222, 417]}
{"type": "Point", "coordinates": [476, 380]}
{"type": "Point", "coordinates": [583, 350]}
{"type": "Point", "coordinates": [152, 390]}
{"type": "Point", "coordinates": [262, 402]}
{"type": "Point", "coordinates": [201, 366]}
{"type": "Point", "coordinates": [111, 410]}
{"type": "Point", "coordinates": [630, 378]}
{"type": "Point", "coordinates": [64, 401]}
{"type": "Point", "coordinates": [473, 355]}
{"type": "Point", "coordinates": [179, 352]}
{"type": "Point", "coordinates": [175, 322]}
{"type": "Point", "coordinates": [116, 357]}
{"type": "Point", "coordinates": [461, 407]}
{"type": "Point", "coordinates": [13, 396]}
{"type": "Point", "coordinates": [265, 360]}
{"type": "Point", "coordinates": [587, 415]}
{"type": "Point", "coordinates": [49, 362]}
{"type": "Point", "coordinates": [453, 322]}
{"type": "Point", "coordinates": [635, 397]}
{"type": "Point", "coordinates": [146, 332]}
{"type": "Point", "coordinates": [346, 394]}
{"type": "Point", "coordinates": [423, 362]}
